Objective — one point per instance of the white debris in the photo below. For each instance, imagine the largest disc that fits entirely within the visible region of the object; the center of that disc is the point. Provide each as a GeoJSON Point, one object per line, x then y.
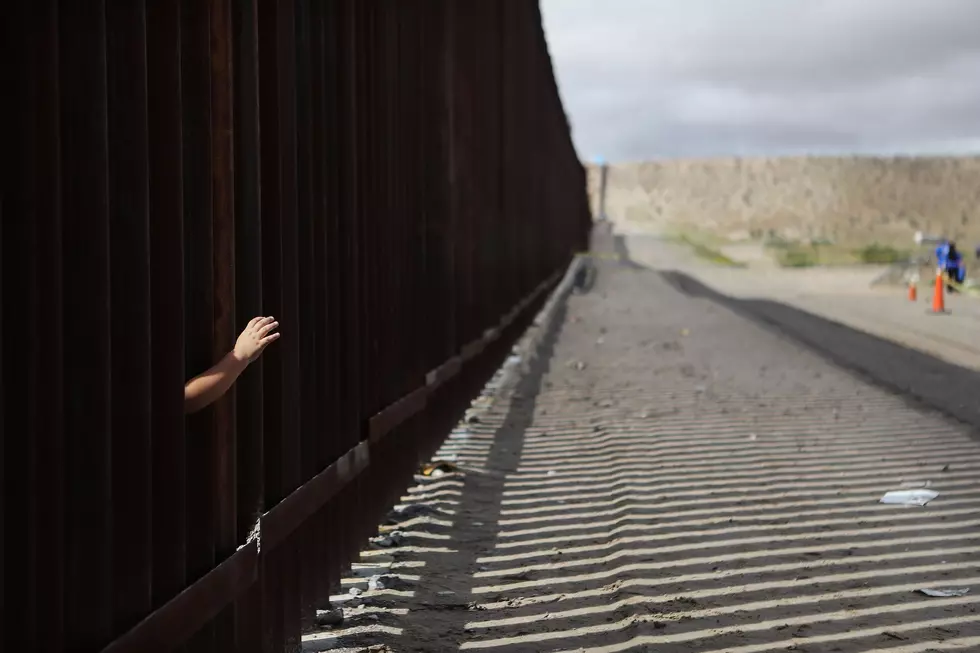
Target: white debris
{"type": "Point", "coordinates": [909, 497]}
{"type": "Point", "coordinates": [946, 592]}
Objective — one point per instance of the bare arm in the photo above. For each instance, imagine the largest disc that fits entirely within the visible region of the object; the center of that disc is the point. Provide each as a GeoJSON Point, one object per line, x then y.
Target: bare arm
{"type": "Point", "coordinates": [206, 388]}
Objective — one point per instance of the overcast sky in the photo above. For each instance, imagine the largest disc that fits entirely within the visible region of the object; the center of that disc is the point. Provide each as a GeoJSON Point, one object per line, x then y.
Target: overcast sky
{"type": "Point", "coordinates": [648, 79]}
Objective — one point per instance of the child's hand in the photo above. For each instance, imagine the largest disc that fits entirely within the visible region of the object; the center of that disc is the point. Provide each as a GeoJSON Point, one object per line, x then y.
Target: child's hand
{"type": "Point", "coordinates": [259, 334]}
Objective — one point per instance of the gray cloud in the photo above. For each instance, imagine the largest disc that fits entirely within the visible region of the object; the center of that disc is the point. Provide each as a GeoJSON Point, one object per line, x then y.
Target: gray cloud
{"type": "Point", "coordinates": [664, 78]}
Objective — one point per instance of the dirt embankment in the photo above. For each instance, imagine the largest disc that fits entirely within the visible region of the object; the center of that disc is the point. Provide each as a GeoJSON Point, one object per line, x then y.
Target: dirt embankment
{"type": "Point", "coordinates": [845, 199]}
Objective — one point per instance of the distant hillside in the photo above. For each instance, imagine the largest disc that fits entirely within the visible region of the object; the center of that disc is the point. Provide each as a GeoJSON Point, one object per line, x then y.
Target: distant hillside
{"type": "Point", "coordinates": [846, 199]}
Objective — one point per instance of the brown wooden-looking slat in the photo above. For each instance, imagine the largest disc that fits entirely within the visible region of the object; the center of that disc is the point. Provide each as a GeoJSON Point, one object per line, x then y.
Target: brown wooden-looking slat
{"type": "Point", "coordinates": [129, 254]}
{"type": "Point", "coordinates": [195, 75]}
{"type": "Point", "coordinates": [87, 325]}
{"type": "Point", "coordinates": [224, 461]}
{"type": "Point", "coordinates": [48, 468]}
{"type": "Point", "coordinates": [164, 122]}
{"type": "Point", "coordinates": [271, 237]}
{"type": "Point", "coordinates": [199, 296]}
{"type": "Point", "coordinates": [248, 261]}
{"type": "Point", "coordinates": [20, 198]}
{"type": "Point", "coordinates": [248, 303]}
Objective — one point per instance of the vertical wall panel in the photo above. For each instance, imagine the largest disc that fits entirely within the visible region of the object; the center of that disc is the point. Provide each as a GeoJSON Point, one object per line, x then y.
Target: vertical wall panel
{"type": "Point", "coordinates": [129, 244]}
{"type": "Point", "coordinates": [199, 300]}
{"type": "Point", "coordinates": [49, 446]}
{"type": "Point", "coordinates": [87, 325]}
{"type": "Point", "coordinates": [167, 297]}
{"type": "Point", "coordinates": [223, 265]}
{"type": "Point", "coordinates": [248, 259]}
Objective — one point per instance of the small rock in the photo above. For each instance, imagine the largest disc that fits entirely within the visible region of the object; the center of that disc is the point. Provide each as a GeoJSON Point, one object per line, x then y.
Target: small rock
{"type": "Point", "coordinates": [386, 582]}
{"type": "Point", "coordinates": [330, 618]}
{"type": "Point", "coordinates": [356, 591]}
{"type": "Point", "coordinates": [394, 538]}
{"type": "Point", "coordinates": [472, 419]}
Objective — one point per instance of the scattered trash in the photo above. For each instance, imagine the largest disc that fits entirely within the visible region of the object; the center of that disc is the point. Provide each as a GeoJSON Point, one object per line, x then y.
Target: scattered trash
{"type": "Point", "coordinates": [438, 468]}
{"type": "Point", "coordinates": [385, 582]}
{"type": "Point", "coordinates": [356, 591]}
{"type": "Point", "coordinates": [946, 592]}
{"type": "Point", "coordinates": [394, 538]}
{"type": "Point", "coordinates": [513, 360]}
{"type": "Point", "coordinates": [909, 497]}
{"type": "Point", "coordinates": [946, 468]}
{"type": "Point", "coordinates": [330, 618]}
{"type": "Point", "coordinates": [404, 513]}
{"type": "Point", "coordinates": [753, 437]}
{"type": "Point", "coordinates": [552, 472]}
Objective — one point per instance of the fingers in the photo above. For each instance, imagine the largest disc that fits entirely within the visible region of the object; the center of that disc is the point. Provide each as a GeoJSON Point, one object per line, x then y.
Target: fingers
{"type": "Point", "coordinates": [257, 323]}
{"type": "Point", "coordinates": [266, 328]}
{"type": "Point", "coordinates": [269, 339]}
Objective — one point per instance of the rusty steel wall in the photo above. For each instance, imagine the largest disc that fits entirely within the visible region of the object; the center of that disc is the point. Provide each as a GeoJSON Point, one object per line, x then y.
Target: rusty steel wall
{"type": "Point", "coordinates": [394, 181]}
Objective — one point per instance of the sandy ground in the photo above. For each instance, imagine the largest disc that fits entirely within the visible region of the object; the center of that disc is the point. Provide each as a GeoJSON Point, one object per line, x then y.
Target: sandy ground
{"type": "Point", "coordinates": [676, 475]}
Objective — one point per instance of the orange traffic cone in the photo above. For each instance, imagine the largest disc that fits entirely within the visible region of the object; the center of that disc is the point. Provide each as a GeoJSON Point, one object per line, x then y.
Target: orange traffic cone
{"type": "Point", "coordinates": [938, 303]}
{"type": "Point", "coordinates": [913, 290]}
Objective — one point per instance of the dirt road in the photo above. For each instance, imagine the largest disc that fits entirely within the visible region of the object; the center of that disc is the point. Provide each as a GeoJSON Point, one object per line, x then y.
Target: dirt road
{"type": "Point", "coordinates": [844, 295]}
{"type": "Point", "coordinates": [674, 477]}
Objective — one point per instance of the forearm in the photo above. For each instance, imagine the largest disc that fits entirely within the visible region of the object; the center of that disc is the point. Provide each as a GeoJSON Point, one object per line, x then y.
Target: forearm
{"type": "Point", "coordinates": [206, 388]}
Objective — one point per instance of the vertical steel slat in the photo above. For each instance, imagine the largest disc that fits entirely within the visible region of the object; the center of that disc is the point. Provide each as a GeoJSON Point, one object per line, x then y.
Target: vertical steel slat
{"type": "Point", "coordinates": [306, 339]}
{"type": "Point", "coordinates": [88, 622]}
{"type": "Point", "coordinates": [271, 236]}
{"type": "Point", "coordinates": [320, 558]}
{"type": "Point", "coordinates": [48, 442]}
{"type": "Point", "coordinates": [248, 260]}
{"type": "Point", "coordinates": [356, 121]}
{"type": "Point", "coordinates": [337, 174]}
{"type": "Point", "coordinates": [225, 458]}
{"type": "Point", "coordinates": [199, 296]}
{"type": "Point", "coordinates": [130, 328]}
{"type": "Point", "coordinates": [307, 215]}
{"type": "Point", "coordinates": [20, 213]}
{"type": "Point", "coordinates": [223, 265]}
{"type": "Point", "coordinates": [290, 346]}
{"type": "Point", "coordinates": [165, 182]}
{"type": "Point", "coordinates": [248, 303]}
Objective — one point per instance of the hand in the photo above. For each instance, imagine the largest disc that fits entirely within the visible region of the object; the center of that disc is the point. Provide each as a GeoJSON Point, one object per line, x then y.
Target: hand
{"type": "Point", "coordinates": [259, 334]}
